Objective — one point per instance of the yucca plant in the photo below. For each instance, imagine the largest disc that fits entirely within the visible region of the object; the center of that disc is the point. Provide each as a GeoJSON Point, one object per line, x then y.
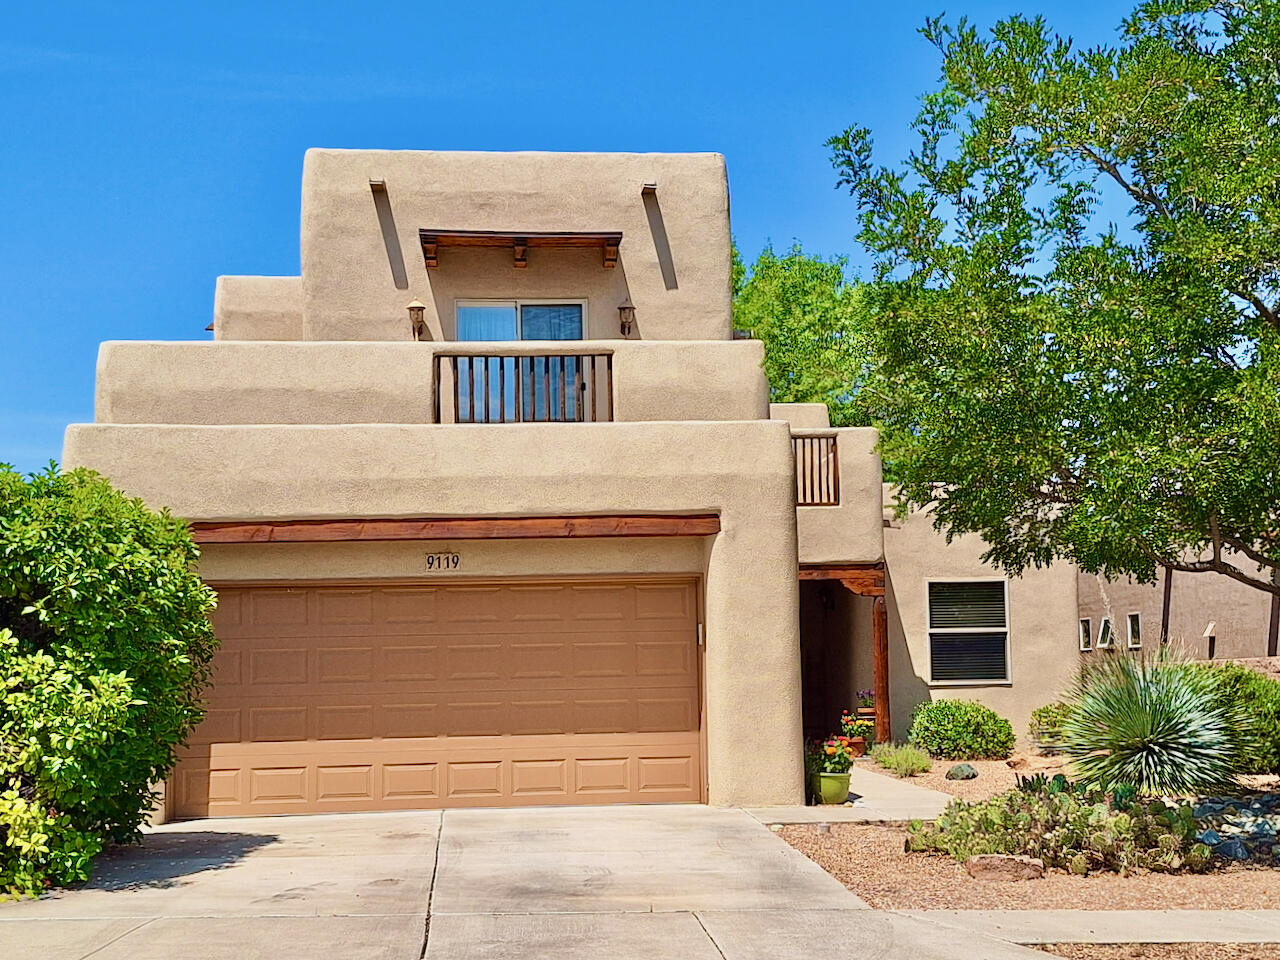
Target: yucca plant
{"type": "Point", "coordinates": [1153, 725]}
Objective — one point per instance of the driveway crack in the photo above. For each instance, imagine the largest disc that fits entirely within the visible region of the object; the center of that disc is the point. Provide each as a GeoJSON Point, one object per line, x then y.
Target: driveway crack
{"type": "Point", "coordinates": [431, 890]}
{"type": "Point", "coordinates": [118, 937]}
{"type": "Point", "coordinates": [709, 936]}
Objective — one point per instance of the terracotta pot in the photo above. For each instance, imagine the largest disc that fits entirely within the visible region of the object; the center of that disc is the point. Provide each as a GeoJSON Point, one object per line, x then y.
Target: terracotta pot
{"type": "Point", "coordinates": [832, 787]}
{"type": "Point", "coordinates": [858, 745]}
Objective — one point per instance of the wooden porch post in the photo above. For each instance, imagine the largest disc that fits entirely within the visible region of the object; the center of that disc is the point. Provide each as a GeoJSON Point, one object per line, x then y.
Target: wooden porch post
{"type": "Point", "coordinates": [880, 660]}
{"type": "Point", "coordinates": [1164, 606]}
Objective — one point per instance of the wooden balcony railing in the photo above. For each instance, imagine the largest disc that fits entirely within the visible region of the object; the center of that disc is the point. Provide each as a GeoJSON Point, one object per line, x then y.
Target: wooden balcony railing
{"type": "Point", "coordinates": [523, 388]}
{"type": "Point", "coordinates": [817, 471]}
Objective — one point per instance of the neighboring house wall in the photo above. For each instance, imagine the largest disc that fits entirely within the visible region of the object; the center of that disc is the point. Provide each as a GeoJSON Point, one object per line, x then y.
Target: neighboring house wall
{"type": "Point", "coordinates": [1239, 613]}
{"type": "Point", "coordinates": [1042, 658]}
{"type": "Point", "coordinates": [672, 261]}
{"type": "Point", "coordinates": [257, 308]}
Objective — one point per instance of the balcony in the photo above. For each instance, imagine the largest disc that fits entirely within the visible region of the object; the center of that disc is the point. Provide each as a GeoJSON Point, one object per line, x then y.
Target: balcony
{"type": "Point", "coordinates": [544, 387]}
{"type": "Point", "coordinates": [817, 469]}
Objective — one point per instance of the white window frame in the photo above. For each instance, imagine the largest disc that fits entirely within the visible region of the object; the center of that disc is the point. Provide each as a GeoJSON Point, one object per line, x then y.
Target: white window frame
{"type": "Point", "coordinates": [518, 303]}
{"type": "Point", "coordinates": [1086, 635]}
{"type": "Point", "coordinates": [1106, 629]}
{"type": "Point", "coordinates": [1007, 680]}
{"type": "Point", "coordinates": [1128, 629]}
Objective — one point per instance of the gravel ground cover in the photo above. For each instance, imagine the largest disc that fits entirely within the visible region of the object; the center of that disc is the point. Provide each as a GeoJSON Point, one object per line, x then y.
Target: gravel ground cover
{"type": "Point", "coordinates": [1164, 951]}
{"type": "Point", "coordinates": [870, 861]}
{"type": "Point", "coordinates": [994, 776]}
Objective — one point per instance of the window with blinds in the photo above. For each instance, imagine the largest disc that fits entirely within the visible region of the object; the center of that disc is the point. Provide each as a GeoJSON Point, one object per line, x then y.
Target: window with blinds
{"type": "Point", "coordinates": [968, 630]}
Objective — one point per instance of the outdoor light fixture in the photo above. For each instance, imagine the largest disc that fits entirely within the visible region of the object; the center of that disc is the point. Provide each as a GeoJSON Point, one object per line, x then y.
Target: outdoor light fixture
{"type": "Point", "coordinates": [416, 309]}
{"type": "Point", "coordinates": [626, 317]}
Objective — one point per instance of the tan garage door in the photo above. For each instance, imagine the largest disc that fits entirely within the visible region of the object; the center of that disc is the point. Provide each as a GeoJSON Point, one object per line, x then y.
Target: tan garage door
{"type": "Point", "coordinates": [399, 696]}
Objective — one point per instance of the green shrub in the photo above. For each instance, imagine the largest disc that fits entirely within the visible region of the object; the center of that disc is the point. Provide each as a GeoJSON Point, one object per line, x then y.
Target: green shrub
{"type": "Point", "coordinates": [1255, 699]}
{"type": "Point", "coordinates": [902, 759]}
{"type": "Point", "coordinates": [1154, 725]}
{"type": "Point", "coordinates": [1045, 727]}
{"type": "Point", "coordinates": [961, 730]}
{"type": "Point", "coordinates": [1065, 829]}
{"type": "Point", "coordinates": [104, 648]}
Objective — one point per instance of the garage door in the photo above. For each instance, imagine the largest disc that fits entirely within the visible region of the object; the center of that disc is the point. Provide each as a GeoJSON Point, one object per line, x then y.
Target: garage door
{"type": "Point", "coordinates": [398, 696]}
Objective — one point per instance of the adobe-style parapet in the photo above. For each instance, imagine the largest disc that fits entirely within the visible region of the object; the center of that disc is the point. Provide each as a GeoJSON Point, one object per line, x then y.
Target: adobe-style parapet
{"type": "Point", "coordinates": [225, 382]}
{"type": "Point", "coordinates": [383, 227]}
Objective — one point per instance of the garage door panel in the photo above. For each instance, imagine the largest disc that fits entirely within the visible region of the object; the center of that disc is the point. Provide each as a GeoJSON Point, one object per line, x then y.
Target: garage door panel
{"type": "Point", "coordinates": [392, 696]}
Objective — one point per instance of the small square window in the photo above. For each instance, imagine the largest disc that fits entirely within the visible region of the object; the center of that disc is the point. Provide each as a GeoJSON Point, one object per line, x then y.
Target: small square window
{"type": "Point", "coordinates": [1086, 635]}
{"type": "Point", "coordinates": [1104, 634]}
{"type": "Point", "coordinates": [1135, 631]}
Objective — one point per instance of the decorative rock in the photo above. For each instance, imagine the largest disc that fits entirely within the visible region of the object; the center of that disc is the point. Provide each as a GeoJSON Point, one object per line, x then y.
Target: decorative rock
{"type": "Point", "coordinates": [1233, 849]}
{"type": "Point", "coordinates": [998, 866]}
{"type": "Point", "coordinates": [1210, 837]}
{"type": "Point", "coordinates": [962, 771]}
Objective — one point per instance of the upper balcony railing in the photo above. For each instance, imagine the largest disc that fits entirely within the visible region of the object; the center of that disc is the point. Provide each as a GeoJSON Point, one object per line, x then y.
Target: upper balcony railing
{"type": "Point", "coordinates": [817, 470]}
{"type": "Point", "coordinates": [523, 388]}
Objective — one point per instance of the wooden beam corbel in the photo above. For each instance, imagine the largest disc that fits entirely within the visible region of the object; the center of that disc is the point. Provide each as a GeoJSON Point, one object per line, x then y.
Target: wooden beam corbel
{"type": "Point", "coordinates": [520, 250]}
{"type": "Point", "coordinates": [429, 256]}
{"type": "Point", "coordinates": [611, 252]}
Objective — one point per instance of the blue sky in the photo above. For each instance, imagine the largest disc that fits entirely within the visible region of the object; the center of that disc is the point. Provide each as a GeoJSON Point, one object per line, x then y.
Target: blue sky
{"type": "Point", "coordinates": [148, 148]}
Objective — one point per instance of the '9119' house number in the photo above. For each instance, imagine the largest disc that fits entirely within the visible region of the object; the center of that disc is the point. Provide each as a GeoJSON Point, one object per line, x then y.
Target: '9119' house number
{"type": "Point", "coordinates": [443, 561]}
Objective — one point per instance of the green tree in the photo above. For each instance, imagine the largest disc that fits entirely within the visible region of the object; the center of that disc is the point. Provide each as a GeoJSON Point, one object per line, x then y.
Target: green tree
{"type": "Point", "coordinates": [1106, 394]}
{"type": "Point", "coordinates": [807, 314]}
{"type": "Point", "coordinates": [105, 646]}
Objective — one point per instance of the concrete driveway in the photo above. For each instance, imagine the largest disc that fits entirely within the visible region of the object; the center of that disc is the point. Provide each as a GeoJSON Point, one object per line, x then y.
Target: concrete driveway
{"type": "Point", "coordinates": [684, 882]}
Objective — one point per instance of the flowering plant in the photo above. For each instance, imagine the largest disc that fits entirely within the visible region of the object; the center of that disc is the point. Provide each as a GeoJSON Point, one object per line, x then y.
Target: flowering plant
{"type": "Point", "coordinates": [852, 727]}
{"type": "Point", "coordinates": [833, 755]}
{"type": "Point", "coordinates": [866, 698]}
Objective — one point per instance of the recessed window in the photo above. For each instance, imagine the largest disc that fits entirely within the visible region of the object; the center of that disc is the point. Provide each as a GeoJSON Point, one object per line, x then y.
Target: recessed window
{"type": "Point", "coordinates": [1135, 631]}
{"type": "Point", "coordinates": [1086, 635]}
{"type": "Point", "coordinates": [1104, 634]}
{"type": "Point", "coordinates": [968, 631]}
{"type": "Point", "coordinates": [548, 387]}
{"type": "Point", "coordinates": [520, 319]}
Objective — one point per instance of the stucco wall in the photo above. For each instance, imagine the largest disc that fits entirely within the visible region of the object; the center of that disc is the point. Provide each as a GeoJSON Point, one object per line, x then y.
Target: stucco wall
{"type": "Point", "coordinates": [257, 308]}
{"type": "Point", "coordinates": [478, 558]}
{"type": "Point", "coordinates": [850, 532]}
{"type": "Point", "coordinates": [349, 287]}
{"type": "Point", "coordinates": [228, 383]}
{"type": "Point", "coordinates": [801, 416]}
{"type": "Point", "coordinates": [741, 470]}
{"type": "Point", "coordinates": [1043, 657]}
{"type": "Point", "coordinates": [1240, 613]}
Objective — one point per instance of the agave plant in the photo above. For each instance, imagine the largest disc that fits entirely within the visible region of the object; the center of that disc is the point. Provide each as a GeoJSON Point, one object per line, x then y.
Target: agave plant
{"type": "Point", "coordinates": [1151, 725]}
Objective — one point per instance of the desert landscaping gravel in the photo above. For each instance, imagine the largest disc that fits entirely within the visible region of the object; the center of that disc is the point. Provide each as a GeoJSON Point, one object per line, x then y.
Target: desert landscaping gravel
{"type": "Point", "coordinates": [870, 861]}
{"type": "Point", "coordinates": [994, 776]}
{"type": "Point", "coordinates": [1164, 951]}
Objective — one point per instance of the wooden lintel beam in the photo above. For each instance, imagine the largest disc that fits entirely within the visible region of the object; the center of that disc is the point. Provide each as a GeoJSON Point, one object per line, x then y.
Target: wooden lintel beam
{"type": "Point", "coordinates": [865, 587]}
{"type": "Point", "coordinates": [456, 528]}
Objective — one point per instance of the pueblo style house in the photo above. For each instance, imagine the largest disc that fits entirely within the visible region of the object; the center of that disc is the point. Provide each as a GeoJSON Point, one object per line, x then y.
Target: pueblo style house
{"type": "Point", "coordinates": [499, 513]}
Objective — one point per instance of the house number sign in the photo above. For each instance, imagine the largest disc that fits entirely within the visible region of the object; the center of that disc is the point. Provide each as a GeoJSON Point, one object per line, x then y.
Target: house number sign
{"type": "Point", "coordinates": [443, 561]}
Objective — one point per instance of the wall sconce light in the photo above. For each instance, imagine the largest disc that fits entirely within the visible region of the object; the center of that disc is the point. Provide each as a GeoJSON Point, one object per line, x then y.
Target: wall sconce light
{"type": "Point", "coordinates": [626, 317]}
{"type": "Point", "coordinates": [416, 310]}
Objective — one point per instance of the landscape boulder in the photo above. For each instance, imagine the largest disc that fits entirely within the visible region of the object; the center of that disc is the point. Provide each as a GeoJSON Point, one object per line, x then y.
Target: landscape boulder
{"type": "Point", "coordinates": [999, 866]}
{"type": "Point", "coordinates": [962, 771]}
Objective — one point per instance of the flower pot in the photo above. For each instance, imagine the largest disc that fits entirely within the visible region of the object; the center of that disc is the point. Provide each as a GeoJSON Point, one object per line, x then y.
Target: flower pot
{"type": "Point", "coordinates": [858, 746]}
{"type": "Point", "coordinates": [866, 713]}
{"type": "Point", "coordinates": [832, 787]}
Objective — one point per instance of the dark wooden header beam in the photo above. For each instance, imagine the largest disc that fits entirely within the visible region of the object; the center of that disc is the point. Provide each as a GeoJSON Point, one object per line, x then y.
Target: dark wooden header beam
{"type": "Point", "coordinates": [457, 528]}
{"type": "Point", "coordinates": [433, 240]}
{"type": "Point", "coordinates": [864, 579]}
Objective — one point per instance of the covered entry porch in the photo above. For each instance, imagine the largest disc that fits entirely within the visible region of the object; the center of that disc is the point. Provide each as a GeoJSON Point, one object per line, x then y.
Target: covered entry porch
{"type": "Point", "coordinates": [844, 644]}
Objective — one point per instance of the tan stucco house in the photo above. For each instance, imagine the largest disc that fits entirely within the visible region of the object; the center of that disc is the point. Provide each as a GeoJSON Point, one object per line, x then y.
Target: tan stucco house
{"type": "Point", "coordinates": [499, 513]}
